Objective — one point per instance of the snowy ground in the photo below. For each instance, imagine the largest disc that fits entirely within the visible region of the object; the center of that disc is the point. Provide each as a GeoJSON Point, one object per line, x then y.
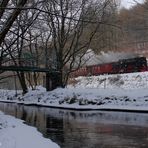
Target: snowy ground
{"type": "Point", "coordinates": [126, 92]}
{"type": "Point", "coordinates": [15, 134]}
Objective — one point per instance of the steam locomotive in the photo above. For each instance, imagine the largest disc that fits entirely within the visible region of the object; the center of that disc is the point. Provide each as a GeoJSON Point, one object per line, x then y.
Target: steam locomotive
{"type": "Point", "coordinates": [137, 64]}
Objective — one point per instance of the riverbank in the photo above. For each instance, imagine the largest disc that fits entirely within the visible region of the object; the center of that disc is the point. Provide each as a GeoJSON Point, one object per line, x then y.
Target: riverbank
{"type": "Point", "coordinates": [125, 92]}
{"type": "Point", "coordinates": [15, 134]}
{"type": "Point", "coordinates": [82, 99]}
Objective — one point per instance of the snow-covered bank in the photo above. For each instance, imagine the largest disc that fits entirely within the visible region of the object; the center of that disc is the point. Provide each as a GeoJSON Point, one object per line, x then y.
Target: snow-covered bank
{"type": "Point", "coordinates": [15, 134]}
{"type": "Point", "coordinates": [131, 94]}
{"type": "Point", "coordinates": [83, 98]}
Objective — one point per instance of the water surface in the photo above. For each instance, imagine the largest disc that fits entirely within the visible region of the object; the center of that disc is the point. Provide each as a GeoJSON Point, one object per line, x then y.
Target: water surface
{"type": "Point", "coordinates": [85, 129]}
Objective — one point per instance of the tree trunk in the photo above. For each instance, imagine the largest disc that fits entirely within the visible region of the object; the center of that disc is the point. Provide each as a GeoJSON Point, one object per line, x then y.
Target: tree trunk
{"type": "Point", "coordinates": [22, 80]}
{"type": "Point", "coordinates": [11, 19]}
{"type": "Point", "coordinates": [59, 79]}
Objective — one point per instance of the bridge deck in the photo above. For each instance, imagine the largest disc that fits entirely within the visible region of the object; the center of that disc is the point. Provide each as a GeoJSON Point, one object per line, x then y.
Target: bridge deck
{"type": "Point", "coordinates": [24, 69]}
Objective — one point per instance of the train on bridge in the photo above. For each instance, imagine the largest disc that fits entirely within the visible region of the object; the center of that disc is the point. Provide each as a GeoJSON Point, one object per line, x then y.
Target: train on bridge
{"type": "Point", "coordinates": [137, 64]}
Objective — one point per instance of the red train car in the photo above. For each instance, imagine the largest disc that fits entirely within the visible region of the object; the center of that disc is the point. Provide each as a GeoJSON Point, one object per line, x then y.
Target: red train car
{"type": "Point", "coordinates": [137, 64]}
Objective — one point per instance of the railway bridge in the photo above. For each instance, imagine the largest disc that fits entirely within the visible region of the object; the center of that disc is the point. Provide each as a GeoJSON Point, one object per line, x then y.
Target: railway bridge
{"type": "Point", "coordinates": [51, 75]}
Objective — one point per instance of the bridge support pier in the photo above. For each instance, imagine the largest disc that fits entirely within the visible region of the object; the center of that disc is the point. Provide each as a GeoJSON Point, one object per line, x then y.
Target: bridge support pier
{"type": "Point", "coordinates": [52, 81]}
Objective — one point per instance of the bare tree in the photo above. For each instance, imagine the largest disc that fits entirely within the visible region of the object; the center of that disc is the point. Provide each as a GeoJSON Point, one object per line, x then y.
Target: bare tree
{"type": "Point", "coordinates": [34, 55]}
{"type": "Point", "coordinates": [17, 40]}
{"type": "Point", "coordinates": [68, 21]}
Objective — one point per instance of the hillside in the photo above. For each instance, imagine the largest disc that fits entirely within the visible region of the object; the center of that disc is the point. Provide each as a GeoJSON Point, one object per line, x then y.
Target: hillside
{"type": "Point", "coordinates": [123, 81]}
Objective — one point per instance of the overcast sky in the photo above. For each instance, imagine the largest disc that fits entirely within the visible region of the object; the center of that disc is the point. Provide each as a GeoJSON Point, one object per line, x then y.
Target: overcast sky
{"type": "Point", "coordinates": [129, 3]}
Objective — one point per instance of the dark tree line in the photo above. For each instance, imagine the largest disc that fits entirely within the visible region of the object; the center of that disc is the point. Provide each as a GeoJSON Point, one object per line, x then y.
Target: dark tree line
{"type": "Point", "coordinates": [134, 24]}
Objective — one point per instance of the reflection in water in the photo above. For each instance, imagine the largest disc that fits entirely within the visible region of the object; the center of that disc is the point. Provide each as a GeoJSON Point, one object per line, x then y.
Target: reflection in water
{"type": "Point", "coordinates": [88, 129]}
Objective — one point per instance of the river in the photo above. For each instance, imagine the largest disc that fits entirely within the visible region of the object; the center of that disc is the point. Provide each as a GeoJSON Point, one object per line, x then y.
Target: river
{"type": "Point", "coordinates": [85, 129]}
